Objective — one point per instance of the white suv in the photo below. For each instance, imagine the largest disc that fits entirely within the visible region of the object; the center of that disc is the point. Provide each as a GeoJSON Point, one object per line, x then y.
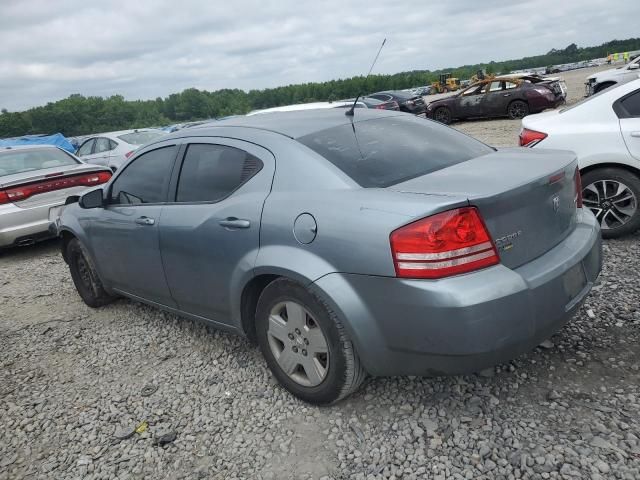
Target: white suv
{"type": "Point", "coordinates": [615, 76]}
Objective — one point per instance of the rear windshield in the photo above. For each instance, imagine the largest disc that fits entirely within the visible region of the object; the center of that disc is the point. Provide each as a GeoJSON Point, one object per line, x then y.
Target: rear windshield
{"type": "Point", "coordinates": [18, 160]}
{"type": "Point", "coordinates": [140, 138]}
{"type": "Point", "coordinates": [391, 150]}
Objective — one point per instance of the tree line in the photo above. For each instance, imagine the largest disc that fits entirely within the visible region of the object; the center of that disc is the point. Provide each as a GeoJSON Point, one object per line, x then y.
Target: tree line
{"type": "Point", "coordinates": [79, 115]}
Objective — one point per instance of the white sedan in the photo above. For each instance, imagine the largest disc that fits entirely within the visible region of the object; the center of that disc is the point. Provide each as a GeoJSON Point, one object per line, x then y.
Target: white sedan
{"type": "Point", "coordinates": [112, 149]}
{"type": "Point", "coordinates": [604, 132]}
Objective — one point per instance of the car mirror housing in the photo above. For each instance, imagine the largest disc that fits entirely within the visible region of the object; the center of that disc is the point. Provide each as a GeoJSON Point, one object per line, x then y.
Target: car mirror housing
{"type": "Point", "coordinates": [92, 199]}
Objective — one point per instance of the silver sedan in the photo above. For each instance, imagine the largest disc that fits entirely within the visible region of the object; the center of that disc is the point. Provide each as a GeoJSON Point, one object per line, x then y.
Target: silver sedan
{"type": "Point", "coordinates": [34, 180]}
{"type": "Point", "coordinates": [380, 243]}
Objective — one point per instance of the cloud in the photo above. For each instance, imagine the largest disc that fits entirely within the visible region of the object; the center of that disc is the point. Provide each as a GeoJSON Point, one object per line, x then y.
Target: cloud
{"type": "Point", "coordinates": [151, 48]}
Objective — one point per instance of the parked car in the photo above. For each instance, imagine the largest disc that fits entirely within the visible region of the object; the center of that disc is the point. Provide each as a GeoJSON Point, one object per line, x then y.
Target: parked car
{"type": "Point", "coordinates": [407, 101]}
{"type": "Point", "coordinates": [604, 131]}
{"type": "Point", "coordinates": [381, 244]}
{"type": "Point", "coordinates": [512, 97]}
{"type": "Point", "coordinates": [33, 180]}
{"type": "Point", "coordinates": [113, 148]}
{"type": "Point", "coordinates": [616, 76]}
{"type": "Point", "coordinates": [370, 102]}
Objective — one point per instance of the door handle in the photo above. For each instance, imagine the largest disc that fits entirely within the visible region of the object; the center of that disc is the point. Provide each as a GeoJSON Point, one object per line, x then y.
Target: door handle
{"type": "Point", "coordinates": [145, 221]}
{"type": "Point", "coordinates": [506, 94]}
{"type": "Point", "coordinates": [635, 134]}
{"type": "Point", "coordinates": [233, 223]}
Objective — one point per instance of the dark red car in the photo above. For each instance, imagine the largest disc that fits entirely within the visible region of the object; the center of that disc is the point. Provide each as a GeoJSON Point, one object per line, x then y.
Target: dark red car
{"type": "Point", "coordinates": [513, 97]}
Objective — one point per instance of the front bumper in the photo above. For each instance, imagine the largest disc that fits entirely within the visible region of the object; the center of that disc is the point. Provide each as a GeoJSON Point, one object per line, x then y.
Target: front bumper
{"type": "Point", "coordinates": [469, 322]}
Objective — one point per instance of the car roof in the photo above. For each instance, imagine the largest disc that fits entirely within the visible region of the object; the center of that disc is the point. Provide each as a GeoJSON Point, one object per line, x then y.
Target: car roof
{"type": "Point", "coordinates": [292, 124]}
{"type": "Point", "coordinates": [117, 133]}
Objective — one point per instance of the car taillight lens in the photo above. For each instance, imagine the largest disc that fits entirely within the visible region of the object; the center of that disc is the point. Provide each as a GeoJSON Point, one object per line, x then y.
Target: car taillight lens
{"type": "Point", "coordinates": [449, 243]}
{"type": "Point", "coordinates": [22, 192]}
{"type": "Point", "coordinates": [529, 138]}
{"type": "Point", "coordinates": [578, 183]}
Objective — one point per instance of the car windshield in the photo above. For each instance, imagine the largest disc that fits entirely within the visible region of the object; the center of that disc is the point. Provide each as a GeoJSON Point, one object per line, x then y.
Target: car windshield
{"type": "Point", "coordinates": [140, 138]}
{"type": "Point", "coordinates": [391, 150]}
{"type": "Point", "coordinates": [19, 160]}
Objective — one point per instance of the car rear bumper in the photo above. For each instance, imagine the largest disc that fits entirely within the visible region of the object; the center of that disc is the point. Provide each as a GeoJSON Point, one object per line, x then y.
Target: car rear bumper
{"type": "Point", "coordinates": [23, 226]}
{"type": "Point", "coordinates": [469, 322]}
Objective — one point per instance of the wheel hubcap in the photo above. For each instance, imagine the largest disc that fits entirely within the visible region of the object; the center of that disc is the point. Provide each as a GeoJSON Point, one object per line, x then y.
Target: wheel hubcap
{"type": "Point", "coordinates": [298, 344]}
{"type": "Point", "coordinates": [612, 202]}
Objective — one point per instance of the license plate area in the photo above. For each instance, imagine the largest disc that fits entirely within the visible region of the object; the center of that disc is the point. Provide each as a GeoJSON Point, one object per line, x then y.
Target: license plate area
{"type": "Point", "coordinates": [574, 282]}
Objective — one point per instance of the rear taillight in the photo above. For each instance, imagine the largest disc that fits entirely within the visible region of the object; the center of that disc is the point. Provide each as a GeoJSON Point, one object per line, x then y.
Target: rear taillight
{"type": "Point", "coordinates": [578, 182]}
{"type": "Point", "coordinates": [529, 138]}
{"type": "Point", "coordinates": [449, 243]}
{"type": "Point", "coordinates": [22, 192]}
{"type": "Point", "coordinates": [128, 154]}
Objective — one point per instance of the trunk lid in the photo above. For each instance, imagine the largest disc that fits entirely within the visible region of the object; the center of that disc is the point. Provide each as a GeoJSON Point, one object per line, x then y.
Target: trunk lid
{"type": "Point", "coordinates": [526, 197]}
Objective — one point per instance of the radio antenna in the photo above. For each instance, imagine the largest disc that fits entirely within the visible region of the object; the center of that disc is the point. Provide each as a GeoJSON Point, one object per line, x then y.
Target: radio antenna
{"type": "Point", "coordinates": [350, 112]}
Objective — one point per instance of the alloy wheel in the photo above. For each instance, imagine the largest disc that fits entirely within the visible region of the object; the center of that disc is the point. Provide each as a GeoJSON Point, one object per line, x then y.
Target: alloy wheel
{"type": "Point", "coordinates": [518, 110]}
{"type": "Point", "coordinates": [612, 202]}
{"type": "Point", "coordinates": [298, 344]}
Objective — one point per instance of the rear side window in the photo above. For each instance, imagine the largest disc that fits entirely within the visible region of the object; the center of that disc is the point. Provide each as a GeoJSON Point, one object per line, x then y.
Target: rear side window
{"type": "Point", "coordinates": [391, 150]}
{"type": "Point", "coordinates": [631, 104]}
{"type": "Point", "coordinates": [212, 172]}
{"type": "Point", "coordinates": [144, 180]}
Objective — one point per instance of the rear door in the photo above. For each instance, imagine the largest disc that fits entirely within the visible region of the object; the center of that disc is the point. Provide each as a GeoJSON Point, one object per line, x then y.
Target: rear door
{"type": "Point", "coordinates": [497, 99]}
{"type": "Point", "coordinates": [210, 231]}
{"type": "Point", "coordinates": [124, 234]}
{"type": "Point", "coordinates": [628, 110]}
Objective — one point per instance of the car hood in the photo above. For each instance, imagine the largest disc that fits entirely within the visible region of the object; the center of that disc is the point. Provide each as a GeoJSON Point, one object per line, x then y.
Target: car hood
{"type": "Point", "coordinates": [611, 72]}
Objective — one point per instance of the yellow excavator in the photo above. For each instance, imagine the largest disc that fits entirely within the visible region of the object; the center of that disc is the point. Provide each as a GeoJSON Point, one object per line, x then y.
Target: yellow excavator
{"type": "Point", "coordinates": [446, 83]}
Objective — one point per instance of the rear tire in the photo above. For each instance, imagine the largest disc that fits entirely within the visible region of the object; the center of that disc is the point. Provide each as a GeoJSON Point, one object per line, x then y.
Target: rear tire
{"type": "Point", "coordinates": [617, 213]}
{"type": "Point", "coordinates": [442, 115]}
{"type": "Point", "coordinates": [295, 328]}
{"type": "Point", "coordinates": [85, 277]}
{"type": "Point", "coordinates": [517, 110]}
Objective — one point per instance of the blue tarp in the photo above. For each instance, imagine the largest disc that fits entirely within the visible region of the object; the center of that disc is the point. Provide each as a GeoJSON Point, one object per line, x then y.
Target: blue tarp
{"type": "Point", "coordinates": [57, 139]}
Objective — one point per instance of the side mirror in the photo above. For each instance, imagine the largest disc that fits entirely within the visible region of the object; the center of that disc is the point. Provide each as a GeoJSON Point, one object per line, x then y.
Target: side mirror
{"type": "Point", "coordinates": [92, 199]}
{"type": "Point", "coordinates": [634, 66]}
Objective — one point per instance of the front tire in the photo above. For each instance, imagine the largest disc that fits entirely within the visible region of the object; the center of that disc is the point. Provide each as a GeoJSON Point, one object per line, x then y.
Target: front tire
{"type": "Point", "coordinates": [85, 277]}
{"type": "Point", "coordinates": [442, 115]}
{"type": "Point", "coordinates": [612, 194]}
{"type": "Point", "coordinates": [305, 344]}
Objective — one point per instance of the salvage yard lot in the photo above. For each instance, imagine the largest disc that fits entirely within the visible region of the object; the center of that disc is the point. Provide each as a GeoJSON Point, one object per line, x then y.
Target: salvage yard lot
{"type": "Point", "coordinates": [76, 382]}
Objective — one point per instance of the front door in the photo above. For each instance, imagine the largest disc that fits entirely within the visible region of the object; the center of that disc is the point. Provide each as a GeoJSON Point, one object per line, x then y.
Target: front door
{"type": "Point", "coordinates": [497, 99]}
{"type": "Point", "coordinates": [210, 233]}
{"type": "Point", "coordinates": [124, 234]}
{"type": "Point", "coordinates": [469, 102]}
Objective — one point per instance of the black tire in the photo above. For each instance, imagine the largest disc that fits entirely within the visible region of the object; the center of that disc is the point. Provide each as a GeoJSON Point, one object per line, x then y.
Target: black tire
{"type": "Point", "coordinates": [442, 115]}
{"type": "Point", "coordinates": [85, 277]}
{"type": "Point", "coordinates": [622, 176]}
{"type": "Point", "coordinates": [344, 373]}
{"type": "Point", "coordinates": [518, 109]}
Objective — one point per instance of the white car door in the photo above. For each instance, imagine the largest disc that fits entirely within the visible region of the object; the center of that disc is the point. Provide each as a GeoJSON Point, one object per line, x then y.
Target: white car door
{"type": "Point", "coordinates": [628, 110]}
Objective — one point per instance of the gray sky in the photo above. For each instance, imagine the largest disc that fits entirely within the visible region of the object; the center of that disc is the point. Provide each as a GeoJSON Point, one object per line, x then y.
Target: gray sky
{"type": "Point", "coordinates": [145, 49]}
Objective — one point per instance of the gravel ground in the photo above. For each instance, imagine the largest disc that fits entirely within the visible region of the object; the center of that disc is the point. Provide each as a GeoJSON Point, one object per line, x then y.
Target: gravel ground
{"type": "Point", "coordinates": [127, 391]}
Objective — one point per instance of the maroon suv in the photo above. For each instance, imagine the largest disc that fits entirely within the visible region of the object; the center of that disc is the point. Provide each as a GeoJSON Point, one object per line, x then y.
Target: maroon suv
{"type": "Point", "coordinates": [498, 97]}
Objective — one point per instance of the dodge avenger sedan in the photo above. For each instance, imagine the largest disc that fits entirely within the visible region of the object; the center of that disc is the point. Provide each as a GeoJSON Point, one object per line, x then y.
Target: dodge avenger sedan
{"type": "Point", "coordinates": [380, 244]}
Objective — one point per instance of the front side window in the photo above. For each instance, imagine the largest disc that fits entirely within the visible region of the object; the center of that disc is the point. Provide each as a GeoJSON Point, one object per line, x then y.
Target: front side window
{"type": "Point", "coordinates": [86, 147]}
{"type": "Point", "coordinates": [145, 179]}
{"type": "Point", "coordinates": [102, 145]}
{"type": "Point", "coordinates": [212, 172]}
